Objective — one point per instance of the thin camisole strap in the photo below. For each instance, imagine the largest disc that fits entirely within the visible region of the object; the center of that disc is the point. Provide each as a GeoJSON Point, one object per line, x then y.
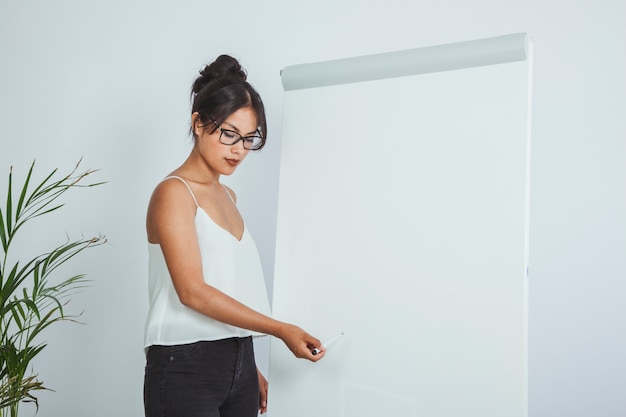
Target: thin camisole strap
{"type": "Point", "coordinates": [188, 187]}
{"type": "Point", "coordinates": [192, 194]}
{"type": "Point", "coordinates": [228, 192]}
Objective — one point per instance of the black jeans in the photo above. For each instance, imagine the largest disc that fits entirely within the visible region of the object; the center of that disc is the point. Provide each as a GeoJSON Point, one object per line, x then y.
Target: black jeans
{"type": "Point", "coordinates": [202, 379]}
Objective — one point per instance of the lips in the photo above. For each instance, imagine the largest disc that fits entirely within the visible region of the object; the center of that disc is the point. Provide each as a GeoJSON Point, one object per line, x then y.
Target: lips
{"type": "Point", "coordinates": [232, 162]}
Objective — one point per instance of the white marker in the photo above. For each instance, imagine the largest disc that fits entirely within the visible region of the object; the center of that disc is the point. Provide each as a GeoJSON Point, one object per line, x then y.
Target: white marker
{"type": "Point", "coordinates": [326, 344]}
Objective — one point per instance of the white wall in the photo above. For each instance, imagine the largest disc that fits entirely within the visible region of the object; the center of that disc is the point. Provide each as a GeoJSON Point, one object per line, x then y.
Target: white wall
{"type": "Point", "coordinates": [109, 81]}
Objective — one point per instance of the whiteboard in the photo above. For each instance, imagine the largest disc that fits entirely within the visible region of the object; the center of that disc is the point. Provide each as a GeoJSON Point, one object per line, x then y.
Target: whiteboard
{"type": "Point", "coordinates": [403, 223]}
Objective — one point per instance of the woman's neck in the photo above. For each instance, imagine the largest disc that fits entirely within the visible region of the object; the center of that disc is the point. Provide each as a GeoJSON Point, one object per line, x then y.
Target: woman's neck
{"type": "Point", "coordinates": [196, 169]}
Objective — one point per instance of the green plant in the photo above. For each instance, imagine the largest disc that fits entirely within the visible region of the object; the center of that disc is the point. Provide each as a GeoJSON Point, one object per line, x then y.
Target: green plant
{"type": "Point", "coordinates": [30, 301]}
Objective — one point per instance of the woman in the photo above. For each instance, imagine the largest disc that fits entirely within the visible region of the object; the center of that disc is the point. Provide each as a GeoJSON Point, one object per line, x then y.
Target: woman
{"type": "Point", "coordinates": [206, 287]}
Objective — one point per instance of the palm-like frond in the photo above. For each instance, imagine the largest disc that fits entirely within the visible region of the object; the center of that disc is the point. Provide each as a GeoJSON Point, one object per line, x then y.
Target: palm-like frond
{"type": "Point", "coordinates": [29, 301]}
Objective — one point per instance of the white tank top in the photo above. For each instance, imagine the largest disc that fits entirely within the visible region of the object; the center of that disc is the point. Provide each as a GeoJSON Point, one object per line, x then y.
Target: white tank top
{"type": "Point", "coordinates": [230, 265]}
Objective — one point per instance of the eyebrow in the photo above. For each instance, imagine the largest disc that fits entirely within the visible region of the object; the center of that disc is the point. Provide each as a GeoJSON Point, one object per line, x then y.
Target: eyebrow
{"type": "Point", "coordinates": [254, 132]}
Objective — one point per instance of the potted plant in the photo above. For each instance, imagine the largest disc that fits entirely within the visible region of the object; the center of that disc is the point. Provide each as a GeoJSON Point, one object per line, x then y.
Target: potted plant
{"type": "Point", "coordinates": [32, 295]}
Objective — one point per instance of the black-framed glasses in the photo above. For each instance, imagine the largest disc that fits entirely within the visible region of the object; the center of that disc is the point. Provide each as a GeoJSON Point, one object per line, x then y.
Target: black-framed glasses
{"type": "Point", "coordinates": [230, 137]}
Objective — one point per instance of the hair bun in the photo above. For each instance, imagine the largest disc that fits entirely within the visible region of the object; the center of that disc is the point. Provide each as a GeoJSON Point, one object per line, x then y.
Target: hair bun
{"type": "Point", "coordinates": [225, 66]}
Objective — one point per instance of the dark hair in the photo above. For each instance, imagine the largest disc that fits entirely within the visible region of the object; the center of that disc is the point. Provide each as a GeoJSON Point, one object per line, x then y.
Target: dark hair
{"type": "Point", "coordinates": [222, 89]}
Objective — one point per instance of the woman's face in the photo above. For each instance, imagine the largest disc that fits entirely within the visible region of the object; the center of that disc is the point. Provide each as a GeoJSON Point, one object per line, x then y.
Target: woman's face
{"type": "Point", "coordinates": [220, 158]}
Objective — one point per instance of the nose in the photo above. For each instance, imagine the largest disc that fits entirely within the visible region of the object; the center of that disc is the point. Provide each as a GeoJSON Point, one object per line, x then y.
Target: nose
{"type": "Point", "coordinates": [238, 148]}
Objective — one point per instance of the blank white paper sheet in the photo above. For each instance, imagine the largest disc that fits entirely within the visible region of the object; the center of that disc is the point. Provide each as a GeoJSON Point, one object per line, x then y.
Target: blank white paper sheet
{"type": "Point", "coordinates": [403, 223]}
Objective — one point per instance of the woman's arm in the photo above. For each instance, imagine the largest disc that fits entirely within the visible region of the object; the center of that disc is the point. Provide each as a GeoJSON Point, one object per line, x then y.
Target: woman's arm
{"type": "Point", "coordinates": [263, 387]}
{"type": "Point", "coordinates": [170, 223]}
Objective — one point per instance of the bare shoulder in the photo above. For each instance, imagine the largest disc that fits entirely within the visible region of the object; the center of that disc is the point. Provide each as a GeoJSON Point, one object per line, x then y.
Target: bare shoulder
{"type": "Point", "coordinates": [171, 205]}
{"type": "Point", "coordinates": [171, 192]}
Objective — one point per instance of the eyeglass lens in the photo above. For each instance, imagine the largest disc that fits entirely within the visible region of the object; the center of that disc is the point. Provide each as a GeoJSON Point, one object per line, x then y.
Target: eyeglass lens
{"type": "Point", "coordinates": [230, 137]}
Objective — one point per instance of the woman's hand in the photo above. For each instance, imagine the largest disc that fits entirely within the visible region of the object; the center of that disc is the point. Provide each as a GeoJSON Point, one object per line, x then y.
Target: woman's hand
{"type": "Point", "coordinates": [262, 392]}
{"type": "Point", "coordinates": [301, 344]}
